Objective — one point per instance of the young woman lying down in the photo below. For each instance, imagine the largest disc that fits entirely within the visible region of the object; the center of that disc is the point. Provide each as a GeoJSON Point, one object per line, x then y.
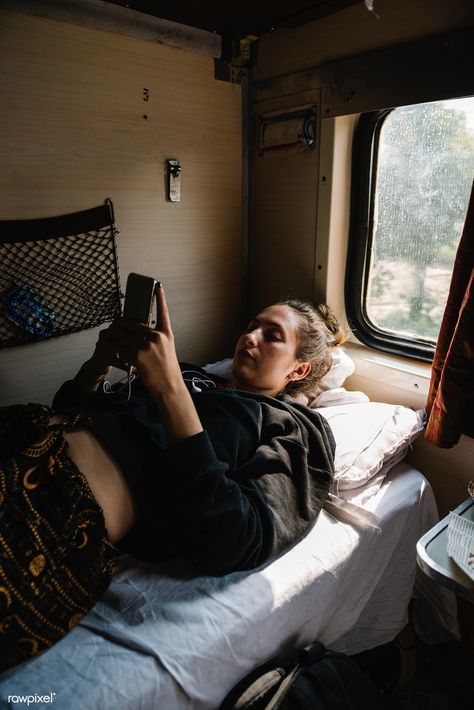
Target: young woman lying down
{"type": "Point", "coordinates": [228, 473]}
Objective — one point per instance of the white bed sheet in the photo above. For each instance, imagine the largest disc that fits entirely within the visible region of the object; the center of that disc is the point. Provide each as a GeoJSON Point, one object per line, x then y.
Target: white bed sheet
{"type": "Point", "coordinates": [157, 641]}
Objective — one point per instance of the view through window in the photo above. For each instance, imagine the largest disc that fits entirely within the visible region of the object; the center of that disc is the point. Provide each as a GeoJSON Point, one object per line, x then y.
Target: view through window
{"type": "Point", "coordinates": [425, 168]}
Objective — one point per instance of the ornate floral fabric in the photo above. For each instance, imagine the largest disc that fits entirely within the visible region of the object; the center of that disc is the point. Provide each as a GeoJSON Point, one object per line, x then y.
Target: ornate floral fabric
{"type": "Point", "coordinates": [55, 556]}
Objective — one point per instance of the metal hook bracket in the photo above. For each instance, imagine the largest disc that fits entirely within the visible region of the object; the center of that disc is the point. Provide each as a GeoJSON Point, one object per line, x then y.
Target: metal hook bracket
{"type": "Point", "coordinates": [174, 180]}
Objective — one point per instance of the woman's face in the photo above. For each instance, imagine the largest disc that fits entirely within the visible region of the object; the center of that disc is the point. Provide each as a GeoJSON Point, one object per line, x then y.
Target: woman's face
{"type": "Point", "coordinates": [265, 355]}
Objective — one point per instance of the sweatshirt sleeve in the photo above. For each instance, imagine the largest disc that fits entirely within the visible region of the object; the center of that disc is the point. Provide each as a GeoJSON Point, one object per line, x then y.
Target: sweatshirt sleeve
{"type": "Point", "coordinates": [225, 526]}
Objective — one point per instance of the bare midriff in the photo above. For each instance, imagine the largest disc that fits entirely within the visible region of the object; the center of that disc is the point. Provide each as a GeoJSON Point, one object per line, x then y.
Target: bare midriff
{"type": "Point", "coordinates": [105, 479]}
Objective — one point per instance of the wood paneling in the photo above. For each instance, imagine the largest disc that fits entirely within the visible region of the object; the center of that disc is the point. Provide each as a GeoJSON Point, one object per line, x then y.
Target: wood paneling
{"type": "Point", "coordinates": [429, 69]}
{"type": "Point", "coordinates": [448, 470]}
{"type": "Point", "coordinates": [88, 114]}
{"type": "Point", "coordinates": [284, 206]}
{"type": "Point", "coordinates": [355, 30]}
{"type": "Point", "coordinates": [122, 20]}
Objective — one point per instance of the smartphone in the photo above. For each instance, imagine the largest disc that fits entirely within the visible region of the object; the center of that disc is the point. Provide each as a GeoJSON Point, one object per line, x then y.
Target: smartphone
{"type": "Point", "coordinates": [139, 298]}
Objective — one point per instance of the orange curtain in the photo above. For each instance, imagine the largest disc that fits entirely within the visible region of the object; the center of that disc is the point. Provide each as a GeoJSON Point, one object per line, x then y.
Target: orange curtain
{"type": "Point", "coordinates": [450, 403]}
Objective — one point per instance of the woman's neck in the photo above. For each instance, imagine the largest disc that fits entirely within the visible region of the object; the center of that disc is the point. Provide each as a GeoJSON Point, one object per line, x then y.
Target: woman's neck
{"type": "Point", "coordinates": [255, 390]}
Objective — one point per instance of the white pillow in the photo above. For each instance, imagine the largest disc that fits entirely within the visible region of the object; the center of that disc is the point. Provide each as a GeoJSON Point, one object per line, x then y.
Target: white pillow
{"type": "Point", "coordinates": [343, 367]}
{"type": "Point", "coordinates": [221, 368]}
{"type": "Point", "coordinates": [370, 436]}
{"type": "Point", "coordinates": [329, 390]}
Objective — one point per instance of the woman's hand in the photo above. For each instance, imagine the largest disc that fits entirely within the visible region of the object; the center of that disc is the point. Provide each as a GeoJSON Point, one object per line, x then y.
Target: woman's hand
{"type": "Point", "coordinates": [152, 352]}
{"type": "Point", "coordinates": [106, 355]}
{"type": "Point", "coordinates": [126, 343]}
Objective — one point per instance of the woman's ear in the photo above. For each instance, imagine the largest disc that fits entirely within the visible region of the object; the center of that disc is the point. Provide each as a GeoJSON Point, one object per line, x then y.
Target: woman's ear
{"type": "Point", "coordinates": [302, 371]}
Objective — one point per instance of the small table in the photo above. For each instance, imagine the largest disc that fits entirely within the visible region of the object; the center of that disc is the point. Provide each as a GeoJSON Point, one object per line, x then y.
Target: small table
{"type": "Point", "coordinates": [433, 559]}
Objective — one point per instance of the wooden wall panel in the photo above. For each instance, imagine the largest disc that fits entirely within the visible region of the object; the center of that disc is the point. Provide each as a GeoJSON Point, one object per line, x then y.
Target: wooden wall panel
{"type": "Point", "coordinates": [427, 69]}
{"type": "Point", "coordinates": [76, 128]}
{"type": "Point", "coordinates": [355, 30]}
{"type": "Point", "coordinates": [284, 206]}
{"type": "Point", "coordinates": [283, 244]}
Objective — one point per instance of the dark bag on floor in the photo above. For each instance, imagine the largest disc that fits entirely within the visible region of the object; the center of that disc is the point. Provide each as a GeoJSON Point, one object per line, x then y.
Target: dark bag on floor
{"type": "Point", "coordinates": [320, 680]}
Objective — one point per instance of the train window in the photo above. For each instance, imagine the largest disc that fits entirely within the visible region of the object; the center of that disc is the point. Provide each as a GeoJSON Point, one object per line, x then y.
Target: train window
{"type": "Point", "coordinates": [412, 173]}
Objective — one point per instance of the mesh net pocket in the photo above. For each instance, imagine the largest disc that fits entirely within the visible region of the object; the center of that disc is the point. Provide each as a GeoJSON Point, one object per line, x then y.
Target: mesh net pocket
{"type": "Point", "coordinates": [57, 275]}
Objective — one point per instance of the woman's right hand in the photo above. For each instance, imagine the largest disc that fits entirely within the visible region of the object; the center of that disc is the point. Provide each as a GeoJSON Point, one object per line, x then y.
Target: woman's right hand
{"type": "Point", "coordinates": [157, 363]}
{"type": "Point", "coordinates": [155, 356]}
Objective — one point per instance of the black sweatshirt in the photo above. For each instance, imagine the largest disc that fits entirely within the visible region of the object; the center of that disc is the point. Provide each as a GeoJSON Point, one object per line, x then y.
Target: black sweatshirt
{"type": "Point", "coordinates": [229, 498]}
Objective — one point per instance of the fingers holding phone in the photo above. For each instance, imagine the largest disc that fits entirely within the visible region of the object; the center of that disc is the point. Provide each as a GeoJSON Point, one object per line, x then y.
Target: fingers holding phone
{"type": "Point", "coordinates": [140, 313]}
{"type": "Point", "coordinates": [117, 346]}
{"type": "Point", "coordinates": [163, 321]}
{"type": "Point", "coordinates": [154, 354]}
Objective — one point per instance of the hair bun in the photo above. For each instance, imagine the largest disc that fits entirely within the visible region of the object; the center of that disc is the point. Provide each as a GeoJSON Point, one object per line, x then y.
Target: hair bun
{"type": "Point", "coordinates": [336, 335]}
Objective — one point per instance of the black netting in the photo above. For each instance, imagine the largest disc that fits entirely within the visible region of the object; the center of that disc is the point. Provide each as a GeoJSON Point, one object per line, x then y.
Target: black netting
{"type": "Point", "coordinates": [57, 275]}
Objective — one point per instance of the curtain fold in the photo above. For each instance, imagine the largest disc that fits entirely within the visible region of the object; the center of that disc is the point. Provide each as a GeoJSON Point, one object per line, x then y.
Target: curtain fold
{"type": "Point", "coordinates": [450, 404]}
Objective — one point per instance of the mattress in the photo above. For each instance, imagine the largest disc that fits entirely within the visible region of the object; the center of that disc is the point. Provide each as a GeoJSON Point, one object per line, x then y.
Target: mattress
{"type": "Point", "coordinates": [162, 639]}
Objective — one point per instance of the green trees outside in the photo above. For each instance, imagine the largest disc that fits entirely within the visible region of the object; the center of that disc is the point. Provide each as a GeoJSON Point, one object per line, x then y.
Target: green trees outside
{"type": "Point", "coordinates": [424, 178]}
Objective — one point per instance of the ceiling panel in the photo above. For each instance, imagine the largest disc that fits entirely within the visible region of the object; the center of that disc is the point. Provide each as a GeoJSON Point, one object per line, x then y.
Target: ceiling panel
{"type": "Point", "coordinates": [240, 18]}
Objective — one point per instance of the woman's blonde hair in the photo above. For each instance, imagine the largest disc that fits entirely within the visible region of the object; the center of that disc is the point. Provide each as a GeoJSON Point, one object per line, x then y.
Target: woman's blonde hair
{"type": "Point", "coordinates": [318, 332]}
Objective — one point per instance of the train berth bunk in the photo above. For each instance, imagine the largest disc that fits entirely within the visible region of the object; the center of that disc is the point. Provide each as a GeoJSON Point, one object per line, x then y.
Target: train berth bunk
{"type": "Point", "coordinates": [162, 638]}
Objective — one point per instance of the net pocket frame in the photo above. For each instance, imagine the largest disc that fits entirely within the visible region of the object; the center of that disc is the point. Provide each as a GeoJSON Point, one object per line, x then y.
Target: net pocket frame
{"type": "Point", "coordinates": [58, 275]}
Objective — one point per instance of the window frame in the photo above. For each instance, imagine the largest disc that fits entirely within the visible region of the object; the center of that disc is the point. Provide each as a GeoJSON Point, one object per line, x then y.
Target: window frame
{"type": "Point", "coordinates": [363, 185]}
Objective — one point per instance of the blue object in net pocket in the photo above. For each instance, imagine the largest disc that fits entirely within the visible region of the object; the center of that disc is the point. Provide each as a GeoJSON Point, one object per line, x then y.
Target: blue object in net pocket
{"type": "Point", "coordinates": [28, 311]}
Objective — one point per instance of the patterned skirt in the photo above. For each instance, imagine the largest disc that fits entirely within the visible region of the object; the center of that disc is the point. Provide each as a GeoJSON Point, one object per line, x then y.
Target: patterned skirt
{"type": "Point", "coordinates": [55, 556]}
